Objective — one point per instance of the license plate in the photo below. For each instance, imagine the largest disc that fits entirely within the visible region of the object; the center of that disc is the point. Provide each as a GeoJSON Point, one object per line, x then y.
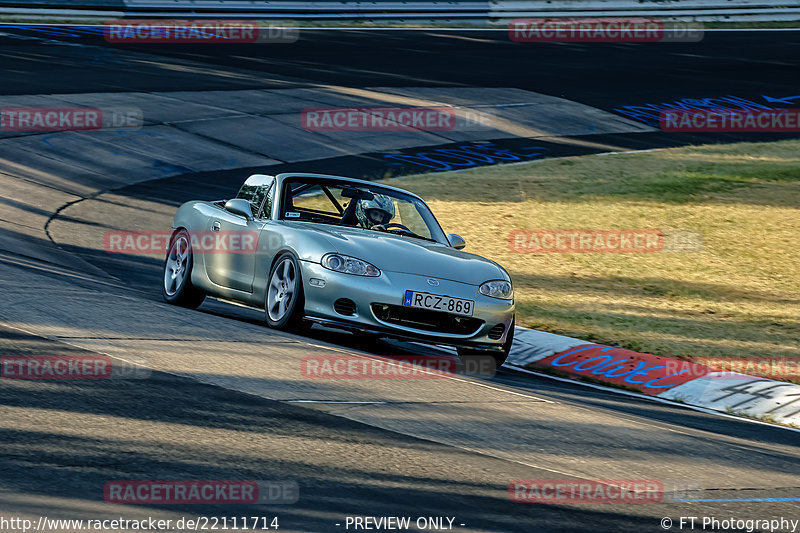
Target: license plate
{"type": "Point", "coordinates": [435, 302]}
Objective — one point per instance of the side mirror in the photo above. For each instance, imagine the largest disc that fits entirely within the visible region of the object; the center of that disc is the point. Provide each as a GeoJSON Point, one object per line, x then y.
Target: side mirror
{"type": "Point", "coordinates": [456, 241]}
{"type": "Point", "coordinates": [239, 206]}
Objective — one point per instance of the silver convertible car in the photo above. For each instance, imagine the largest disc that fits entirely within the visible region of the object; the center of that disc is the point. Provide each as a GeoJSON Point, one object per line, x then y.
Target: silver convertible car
{"type": "Point", "coordinates": [344, 253]}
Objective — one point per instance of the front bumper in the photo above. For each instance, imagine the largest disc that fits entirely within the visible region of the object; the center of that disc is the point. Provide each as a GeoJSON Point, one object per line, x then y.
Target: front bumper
{"type": "Point", "coordinates": [388, 289]}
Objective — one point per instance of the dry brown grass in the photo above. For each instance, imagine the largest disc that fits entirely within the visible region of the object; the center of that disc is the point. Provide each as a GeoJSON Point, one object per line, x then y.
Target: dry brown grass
{"type": "Point", "coordinates": [739, 296]}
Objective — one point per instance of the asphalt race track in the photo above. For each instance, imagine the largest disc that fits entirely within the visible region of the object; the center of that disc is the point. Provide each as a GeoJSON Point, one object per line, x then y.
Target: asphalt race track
{"type": "Point", "coordinates": [605, 75]}
{"type": "Point", "coordinates": [224, 398]}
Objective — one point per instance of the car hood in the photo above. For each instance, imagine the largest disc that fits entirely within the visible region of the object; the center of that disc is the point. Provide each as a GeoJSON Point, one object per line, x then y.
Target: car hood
{"type": "Point", "coordinates": [393, 253]}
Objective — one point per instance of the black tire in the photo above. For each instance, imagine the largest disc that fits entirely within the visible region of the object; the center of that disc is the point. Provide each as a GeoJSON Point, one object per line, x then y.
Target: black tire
{"type": "Point", "coordinates": [290, 316]}
{"type": "Point", "coordinates": [176, 286]}
{"type": "Point", "coordinates": [498, 356]}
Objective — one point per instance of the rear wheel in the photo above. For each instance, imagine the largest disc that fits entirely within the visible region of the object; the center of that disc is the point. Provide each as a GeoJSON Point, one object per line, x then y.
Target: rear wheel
{"type": "Point", "coordinates": [177, 287]}
{"type": "Point", "coordinates": [284, 304]}
{"type": "Point", "coordinates": [498, 356]}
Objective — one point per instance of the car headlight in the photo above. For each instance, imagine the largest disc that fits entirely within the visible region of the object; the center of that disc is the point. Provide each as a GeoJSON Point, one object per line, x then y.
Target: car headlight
{"type": "Point", "coordinates": [498, 289]}
{"type": "Point", "coordinates": [349, 265]}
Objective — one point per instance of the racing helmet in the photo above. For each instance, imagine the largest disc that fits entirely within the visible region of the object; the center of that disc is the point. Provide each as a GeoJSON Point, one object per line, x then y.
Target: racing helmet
{"type": "Point", "coordinates": [378, 211]}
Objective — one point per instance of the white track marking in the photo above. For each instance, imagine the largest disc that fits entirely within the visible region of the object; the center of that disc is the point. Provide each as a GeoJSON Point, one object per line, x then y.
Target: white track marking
{"type": "Point", "coordinates": [646, 397]}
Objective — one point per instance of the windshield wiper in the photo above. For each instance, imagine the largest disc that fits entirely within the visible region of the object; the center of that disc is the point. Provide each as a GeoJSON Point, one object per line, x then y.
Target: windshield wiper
{"type": "Point", "coordinates": [409, 234]}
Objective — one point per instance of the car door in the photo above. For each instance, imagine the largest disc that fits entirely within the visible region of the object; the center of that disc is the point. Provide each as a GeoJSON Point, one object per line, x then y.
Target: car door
{"type": "Point", "coordinates": [232, 262]}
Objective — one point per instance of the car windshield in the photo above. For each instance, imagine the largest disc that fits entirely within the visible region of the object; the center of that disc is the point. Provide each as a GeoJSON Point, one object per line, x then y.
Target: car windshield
{"type": "Point", "coordinates": [357, 205]}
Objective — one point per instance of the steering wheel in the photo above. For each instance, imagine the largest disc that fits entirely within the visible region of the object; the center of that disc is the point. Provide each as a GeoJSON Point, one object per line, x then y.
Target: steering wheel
{"type": "Point", "coordinates": [396, 225]}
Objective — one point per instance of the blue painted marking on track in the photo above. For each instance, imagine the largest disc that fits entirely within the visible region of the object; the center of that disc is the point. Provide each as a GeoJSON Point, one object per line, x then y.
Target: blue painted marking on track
{"type": "Point", "coordinates": [650, 112]}
{"type": "Point", "coordinates": [466, 156]}
{"type": "Point", "coordinates": [56, 31]}
{"type": "Point", "coordinates": [784, 100]}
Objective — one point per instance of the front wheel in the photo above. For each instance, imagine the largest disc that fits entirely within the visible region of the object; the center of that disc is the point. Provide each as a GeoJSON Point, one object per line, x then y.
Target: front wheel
{"type": "Point", "coordinates": [499, 357]}
{"type": "Point", "coordinates": [177, 287]}
{"type": "Point", "coordinates": [284, 301]}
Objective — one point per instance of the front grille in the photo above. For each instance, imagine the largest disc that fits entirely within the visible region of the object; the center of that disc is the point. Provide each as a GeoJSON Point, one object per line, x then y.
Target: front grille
{"type": "Point", "coordinates": [426, 320]}
{"type": "Point", "coordinates": [497, 332]}
{"type": "Point", "coordinates": [344, 306]}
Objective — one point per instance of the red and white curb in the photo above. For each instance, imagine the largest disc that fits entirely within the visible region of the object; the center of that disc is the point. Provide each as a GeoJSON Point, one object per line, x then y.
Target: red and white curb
{"type": "Point", "coordinates": [660, 377]}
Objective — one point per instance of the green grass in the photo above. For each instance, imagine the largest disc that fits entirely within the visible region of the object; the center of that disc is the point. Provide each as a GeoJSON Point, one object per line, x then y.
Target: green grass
{"type": "Point", "coordinates": [738, 296]}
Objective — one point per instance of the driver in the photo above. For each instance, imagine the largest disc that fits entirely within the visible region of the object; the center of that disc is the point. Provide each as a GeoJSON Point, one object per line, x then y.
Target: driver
{"type": "Point", "coordinates": [376, 212]}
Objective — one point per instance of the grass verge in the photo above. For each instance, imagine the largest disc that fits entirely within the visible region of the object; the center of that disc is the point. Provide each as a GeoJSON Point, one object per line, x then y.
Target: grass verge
{"type": "Point", "coordinates": [738, 296]}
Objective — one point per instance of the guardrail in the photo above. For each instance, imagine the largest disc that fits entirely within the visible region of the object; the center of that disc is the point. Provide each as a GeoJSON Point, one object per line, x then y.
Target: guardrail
{"type": "Point", "coordinates": [35, 5]}
{"type": "Point", "coordinates": [480, 11]}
